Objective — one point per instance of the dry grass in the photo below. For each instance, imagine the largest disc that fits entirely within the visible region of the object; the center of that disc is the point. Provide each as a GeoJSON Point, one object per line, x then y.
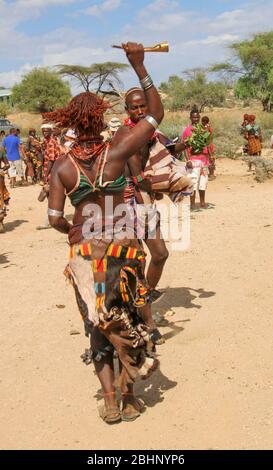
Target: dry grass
{"type": "Point", "coordinates": [225, 122]}
{"type": "Point", "coordinates": [26, 120]}
{"type": "Point", "coordinates": [263, 167]}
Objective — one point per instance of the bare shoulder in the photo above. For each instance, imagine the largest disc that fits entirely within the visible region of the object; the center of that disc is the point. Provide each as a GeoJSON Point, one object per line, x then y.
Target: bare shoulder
{"type": "Point", "coordinates": [119, 140]}
{"type": "Point", "coordinates": [121, 133]}
{"type": "Point", "coordinates": [62, 163]}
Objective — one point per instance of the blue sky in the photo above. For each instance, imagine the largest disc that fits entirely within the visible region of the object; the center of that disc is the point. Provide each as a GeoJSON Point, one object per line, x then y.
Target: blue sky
{"type": "Point", "coordinates": [50, 32]}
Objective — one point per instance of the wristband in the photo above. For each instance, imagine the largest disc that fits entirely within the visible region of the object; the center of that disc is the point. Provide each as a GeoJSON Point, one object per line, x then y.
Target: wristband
{"type": "Point", "coordinates": [137, 179]}
{"type": "Point", "coordinates": [146, 83]}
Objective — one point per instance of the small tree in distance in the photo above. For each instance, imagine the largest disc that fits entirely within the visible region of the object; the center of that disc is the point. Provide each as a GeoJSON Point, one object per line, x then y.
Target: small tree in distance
{"type": "Point", "coordinates": [183, 94]}
{"type": "Point", "coordinates": [41, 90]}
{"type": "Point", "coordinates": [103, 78]}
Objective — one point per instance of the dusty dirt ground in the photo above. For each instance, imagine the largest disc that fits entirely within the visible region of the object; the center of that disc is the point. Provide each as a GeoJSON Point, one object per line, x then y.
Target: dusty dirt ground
{"type": "Point", "coordinates": [215, 383]}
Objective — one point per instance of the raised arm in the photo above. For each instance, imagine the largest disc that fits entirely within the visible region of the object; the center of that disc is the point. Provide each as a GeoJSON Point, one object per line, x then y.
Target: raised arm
{"type": "Point", "coordinates": [126, 144]}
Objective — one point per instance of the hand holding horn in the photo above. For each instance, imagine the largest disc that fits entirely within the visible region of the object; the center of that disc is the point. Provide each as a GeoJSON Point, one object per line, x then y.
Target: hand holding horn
{"type": "Point", "coordinates": [161, 47]}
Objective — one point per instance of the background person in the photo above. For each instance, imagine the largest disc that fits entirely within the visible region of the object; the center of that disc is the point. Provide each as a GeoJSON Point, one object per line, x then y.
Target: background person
{"type": "Point", "coordinates": [13, 146]}
{"type": "Point", "coordinates": [198, 159]}
{"type": "Point", "coordinates": [114, 124]}
{"type": "Point", "coordinates": [4, 194]}
{"type": "Point", "coordinates": [32, 149]}
{"type": "Point", "coordinates": [253, 135]}
{"type": "Point", "coordinates": [211, 149]}
{"type": "Point", "coordinates": [51, 152]}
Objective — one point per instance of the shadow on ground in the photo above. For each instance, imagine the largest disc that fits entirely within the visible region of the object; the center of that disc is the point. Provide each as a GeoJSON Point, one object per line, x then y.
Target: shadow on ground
{"type": "Point", "coordinates": [177, 297]}
{"type": "Point", "coordinates": [9, 226]}
{"type": "Point", "coordinates": [4, 258]}
{"type": "Point", "coordinates": [183, 297]}
{"type": "Point", "coordinates": [150, 390]}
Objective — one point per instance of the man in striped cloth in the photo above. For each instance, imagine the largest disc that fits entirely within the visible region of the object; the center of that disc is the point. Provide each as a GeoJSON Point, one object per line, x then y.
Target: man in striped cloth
{"type": "Point", "coordinates": [150, 173]}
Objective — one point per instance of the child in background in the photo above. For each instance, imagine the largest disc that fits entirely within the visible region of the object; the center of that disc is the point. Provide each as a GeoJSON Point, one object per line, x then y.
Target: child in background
{"type": "Point", "coordinates": [207, 127]}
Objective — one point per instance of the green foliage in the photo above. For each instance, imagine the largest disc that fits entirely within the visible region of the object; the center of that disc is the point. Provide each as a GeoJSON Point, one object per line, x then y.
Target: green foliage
{"type": "Point", "coordinates": [244, 89]}
{"type": "Point", "coordinates": [226, 124]}
{"type": "Point", "coordinates": [183, 94]}
{"type": "Point", "coordinates": [222, 66]}
{"type": "Point", "coordinates": [199, 139]}
{"type": "Point", "coordinates": [255, 59]}
{"type": "Point", "coordinates": [4, 109]}
{"type": "Point", "coordinates": [171, 127]}
{"type": "Point", "coordinates": [265, 120]}
{"type": "Point", "coordinates": [104, 75]}
{"type": "Point", "coordinates": [41, 90]}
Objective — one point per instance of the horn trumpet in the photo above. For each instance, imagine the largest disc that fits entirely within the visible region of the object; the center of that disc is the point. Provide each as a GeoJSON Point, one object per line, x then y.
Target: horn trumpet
{"type": "Point", "coordinates": [161, 47]}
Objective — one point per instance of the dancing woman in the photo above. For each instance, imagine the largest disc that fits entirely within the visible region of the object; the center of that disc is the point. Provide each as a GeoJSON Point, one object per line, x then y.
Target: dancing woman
{"type": "Point", "coordinates": [106, 270]}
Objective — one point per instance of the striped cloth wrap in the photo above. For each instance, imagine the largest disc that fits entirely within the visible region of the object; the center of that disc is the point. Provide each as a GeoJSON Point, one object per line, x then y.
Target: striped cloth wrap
{"type": "Point", "coordinates": [166, 173]}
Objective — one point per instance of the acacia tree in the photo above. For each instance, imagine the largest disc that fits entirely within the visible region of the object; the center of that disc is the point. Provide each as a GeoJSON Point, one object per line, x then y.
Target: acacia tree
{"type": "Point", "coordinates": [103, 77]}
{"type": "Point", "coordinates": [41, 90]}
{"type": "Point", "coordinates": [183, 94]}
{"type": "Point", "coordinates": [253, 63]}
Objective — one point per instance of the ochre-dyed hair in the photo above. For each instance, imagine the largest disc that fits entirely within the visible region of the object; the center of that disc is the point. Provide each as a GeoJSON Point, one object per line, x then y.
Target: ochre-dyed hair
{"type": "Point", "coordinates": [246, 117]}
{"type": "Point", "coordinates": [84, 113]}
{"type": "Point", "coordinates": [251, 118]}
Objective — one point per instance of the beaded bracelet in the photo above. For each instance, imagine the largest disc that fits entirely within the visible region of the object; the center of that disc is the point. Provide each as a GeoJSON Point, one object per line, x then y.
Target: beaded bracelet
{"type": "Point", "coordinates": [137, 179]}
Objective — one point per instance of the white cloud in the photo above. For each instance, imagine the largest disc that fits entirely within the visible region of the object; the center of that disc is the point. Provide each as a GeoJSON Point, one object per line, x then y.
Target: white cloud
{"type": "Point", "coordinates": [100, 9]}
{"type": "Point", "coordinates": [43, 3]}
{"type": "Point", "coordinates": [12, 14]}
{"type": "Point", "coordinates": [159, 6]}
{"type": "Point", "coordinates": [75, 55]}
{"type": "Point", "coordinates": [195, 39]}
{"type": "Point", "coordinates": [8, 79]}
{"type": "Point", "coordinates": [222, 38]}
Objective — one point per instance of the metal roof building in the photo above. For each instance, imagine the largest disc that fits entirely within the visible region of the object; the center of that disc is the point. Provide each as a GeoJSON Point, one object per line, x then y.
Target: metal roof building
{"type": "Point", "coordinates": [5, 96]}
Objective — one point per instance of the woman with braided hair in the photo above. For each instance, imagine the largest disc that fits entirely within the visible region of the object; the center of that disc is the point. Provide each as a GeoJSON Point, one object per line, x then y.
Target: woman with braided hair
{"type": "Point", "coordinates": [106, 268]}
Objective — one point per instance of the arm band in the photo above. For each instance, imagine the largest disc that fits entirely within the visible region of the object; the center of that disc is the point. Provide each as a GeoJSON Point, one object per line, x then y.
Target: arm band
{"type": "Point", "coordinates": [55, 213]}
{"type": "Point", "coordinates": [152, 121]}
{"type": "Point", "coordinates": [146, 82]}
